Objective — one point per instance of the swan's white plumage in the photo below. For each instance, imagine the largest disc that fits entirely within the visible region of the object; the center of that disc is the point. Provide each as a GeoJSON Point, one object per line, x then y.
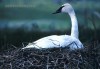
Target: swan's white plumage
{"type": "Point", "coordinates": [52, 41]}
{"type": "Point", "coordinates": [56, 41]}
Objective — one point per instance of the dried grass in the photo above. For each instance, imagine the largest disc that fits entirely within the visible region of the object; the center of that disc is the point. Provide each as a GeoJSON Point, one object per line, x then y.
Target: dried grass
{"type": "Point", "coordinates": [55, 58]}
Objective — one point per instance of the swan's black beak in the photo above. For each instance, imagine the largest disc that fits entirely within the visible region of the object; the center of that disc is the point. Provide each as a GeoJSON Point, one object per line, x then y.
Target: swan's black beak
{"type": "Point", "coordinates": [59, 10]}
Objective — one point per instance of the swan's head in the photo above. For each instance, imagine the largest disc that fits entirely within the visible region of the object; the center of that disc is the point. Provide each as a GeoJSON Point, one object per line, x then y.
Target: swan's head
{"type": "Point", "coordinates": [65, 8]}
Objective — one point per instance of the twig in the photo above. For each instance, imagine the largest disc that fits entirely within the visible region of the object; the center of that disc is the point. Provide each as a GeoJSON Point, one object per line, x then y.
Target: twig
{"type": "Point", "coordinates": [10, 66]}
{"type": "Point", "coordinates": [47, 62]}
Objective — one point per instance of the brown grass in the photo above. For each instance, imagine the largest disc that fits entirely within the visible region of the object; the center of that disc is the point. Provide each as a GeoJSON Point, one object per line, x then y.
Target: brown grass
{"type": "Point", "coordinates": [55, 58]}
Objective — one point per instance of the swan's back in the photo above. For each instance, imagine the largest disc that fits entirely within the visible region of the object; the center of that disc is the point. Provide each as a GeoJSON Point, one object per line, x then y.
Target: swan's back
{"type": "Point", "coordinates": [56, 41]}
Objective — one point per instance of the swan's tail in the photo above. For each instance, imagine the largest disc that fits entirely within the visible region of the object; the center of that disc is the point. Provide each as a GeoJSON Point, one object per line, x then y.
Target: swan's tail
{"type": "Point", "coordinates": [31, 45]}
{"type": "Point", "coordinates": [25, 47]}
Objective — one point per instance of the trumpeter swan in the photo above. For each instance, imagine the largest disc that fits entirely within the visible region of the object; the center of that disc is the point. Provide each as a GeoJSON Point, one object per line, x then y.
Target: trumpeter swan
{"type": "Point", "coordinates": [70, 41]}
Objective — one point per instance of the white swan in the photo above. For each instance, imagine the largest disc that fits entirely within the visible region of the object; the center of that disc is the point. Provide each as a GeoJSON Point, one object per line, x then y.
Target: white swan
{"type": "Point", "coordinates": [70, 41]}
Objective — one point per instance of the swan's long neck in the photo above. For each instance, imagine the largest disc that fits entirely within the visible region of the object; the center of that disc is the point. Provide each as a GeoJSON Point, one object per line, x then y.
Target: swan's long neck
{"type": "Point", "coordinates": [74, 28]}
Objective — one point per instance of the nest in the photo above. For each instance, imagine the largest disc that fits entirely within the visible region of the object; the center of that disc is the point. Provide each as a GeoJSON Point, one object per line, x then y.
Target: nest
{"type": "Point", "coordinates": [54, 58]}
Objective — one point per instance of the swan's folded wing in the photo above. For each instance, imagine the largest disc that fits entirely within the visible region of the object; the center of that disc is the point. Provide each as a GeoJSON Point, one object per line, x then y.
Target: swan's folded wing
{"type": "Point", "coordinates": [55, 41]}
{"type": "Point", "coordinates": [46, 42]}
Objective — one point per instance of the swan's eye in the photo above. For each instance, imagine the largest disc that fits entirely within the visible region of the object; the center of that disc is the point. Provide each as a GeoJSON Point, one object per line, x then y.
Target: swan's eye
{"type": "Point", "coordinates": [59, 10]}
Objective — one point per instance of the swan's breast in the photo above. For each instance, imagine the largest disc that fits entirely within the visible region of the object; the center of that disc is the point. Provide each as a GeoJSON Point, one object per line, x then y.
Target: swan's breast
{"type": "Point", "coordinates": [76, 44]}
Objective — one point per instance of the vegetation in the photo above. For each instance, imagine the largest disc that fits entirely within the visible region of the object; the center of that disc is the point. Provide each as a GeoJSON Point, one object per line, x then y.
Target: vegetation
{"type": "Point", "coordinates": [55, 58]}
